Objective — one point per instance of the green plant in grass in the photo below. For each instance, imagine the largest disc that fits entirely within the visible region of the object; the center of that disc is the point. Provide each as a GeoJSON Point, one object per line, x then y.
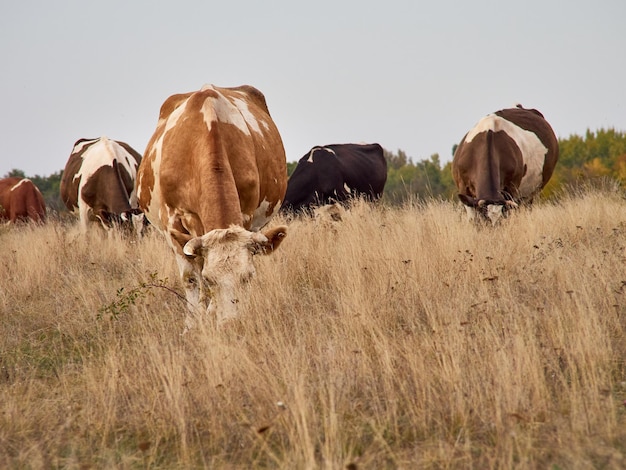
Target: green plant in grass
{"type": "Point", "coordinates": [125, 298]}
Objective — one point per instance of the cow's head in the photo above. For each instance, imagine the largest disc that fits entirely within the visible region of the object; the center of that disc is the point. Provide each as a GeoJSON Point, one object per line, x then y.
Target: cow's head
{"type": "Point", "coordinates": [226, 258]}
{"type": "Point", "coordinates": [107, 219]}
{"type": "Point", "coordinates": [132, 221]}
{"type": "Point", "coordinates": [487, 210]}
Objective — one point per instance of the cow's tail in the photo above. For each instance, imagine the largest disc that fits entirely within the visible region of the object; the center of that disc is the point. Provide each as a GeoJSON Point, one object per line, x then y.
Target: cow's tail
{"type": "Point", "coordinates": [36, 206]}
{"type": "Point", "coordinates": [492, 185]}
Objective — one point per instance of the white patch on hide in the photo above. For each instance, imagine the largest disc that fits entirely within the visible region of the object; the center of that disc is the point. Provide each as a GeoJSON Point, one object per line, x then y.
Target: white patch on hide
{"type": "Point", "coordinates": [101, 152]}
{"type": "Point", "coordinates": [221, 110]}
{"type": "Point", "coordinates": [155, 206]}
{"type": "Point", "coordinates": [78, 147]}
{"type": "Point", "coordinates": [19, 183]}
{"type": "Point", "coordinates": [235, 112]}
{"type": "Point", "coordinates": [315, 149]}
{"type": "Point", "coordinates": [242, 106]}
{"type": "Point", "coordinates": [532, 149]}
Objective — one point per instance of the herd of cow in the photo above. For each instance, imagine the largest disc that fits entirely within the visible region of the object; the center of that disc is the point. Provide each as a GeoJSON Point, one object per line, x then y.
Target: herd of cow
{"type": "Point", "coordinates": [214, 173]}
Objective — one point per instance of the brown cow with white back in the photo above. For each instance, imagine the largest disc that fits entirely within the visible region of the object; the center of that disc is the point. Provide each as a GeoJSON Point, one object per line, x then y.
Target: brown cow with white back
{"type": "Point", "coordinates": [505, 160]}
{"type": "Point", "coordinates": [213, 174]}
{"type": "Point", "coordinates": [21, 200]}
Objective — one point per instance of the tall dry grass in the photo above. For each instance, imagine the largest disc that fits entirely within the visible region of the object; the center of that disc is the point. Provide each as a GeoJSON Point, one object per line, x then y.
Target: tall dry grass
{"type": "Point", "coordinates": [397, 338]}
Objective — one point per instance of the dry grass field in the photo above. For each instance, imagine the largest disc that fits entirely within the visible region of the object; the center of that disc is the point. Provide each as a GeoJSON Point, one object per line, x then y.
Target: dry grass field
{"type": "Point", "coordinates": [398, 338]}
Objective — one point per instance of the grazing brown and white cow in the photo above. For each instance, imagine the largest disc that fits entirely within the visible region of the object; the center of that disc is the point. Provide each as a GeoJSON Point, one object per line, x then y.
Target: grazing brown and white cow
{"type": "Point", "coordinates": [21, 200]}
{"type": "Point", "coordinates": [99, 182]}
{"type": "Point", "coordinates": [505, 160]}
{"type": "Point", "coordinates": [213, 175]}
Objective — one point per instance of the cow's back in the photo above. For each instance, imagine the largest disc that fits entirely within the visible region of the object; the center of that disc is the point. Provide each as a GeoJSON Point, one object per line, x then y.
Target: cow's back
{"type": "Point", "coordinates": [512, 151]}
{"type": "Point", "coordinates": [70, 179]}
{"type": "Point", "coordinates": [20, 199]}
{"type": "Point", "coordinates": [98, 182]}
{"type": "Point", "coordinates": [533, 121]}
{"type": "Point", "coordinates": [215, 159]}
{"type": "Point", "coordinates": [363, 167]}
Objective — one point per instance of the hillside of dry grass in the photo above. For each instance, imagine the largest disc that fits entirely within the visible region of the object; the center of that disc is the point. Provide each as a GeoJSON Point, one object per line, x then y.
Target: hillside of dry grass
{"type": "Point", "coordinates": [397, 338]}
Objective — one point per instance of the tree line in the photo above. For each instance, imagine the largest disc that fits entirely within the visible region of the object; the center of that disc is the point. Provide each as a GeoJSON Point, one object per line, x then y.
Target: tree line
{"type": "Point", "coordinates": [599, 154]}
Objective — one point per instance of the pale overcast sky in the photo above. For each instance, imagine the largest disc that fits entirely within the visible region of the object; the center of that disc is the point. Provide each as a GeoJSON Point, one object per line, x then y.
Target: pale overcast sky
{"type": "Point", "coordinates": [407, 74]}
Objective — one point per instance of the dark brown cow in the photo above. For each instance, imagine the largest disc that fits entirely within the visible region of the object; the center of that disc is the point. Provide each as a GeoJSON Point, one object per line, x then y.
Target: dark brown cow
{"type": "Point", "coordinates": [213, 175]}
{"type": "Point", "coordinates": [99, 181]}
{"type": "Point", "coordinates": [505, 160]}
{"type": "Point", "coordinates": [21, 200]}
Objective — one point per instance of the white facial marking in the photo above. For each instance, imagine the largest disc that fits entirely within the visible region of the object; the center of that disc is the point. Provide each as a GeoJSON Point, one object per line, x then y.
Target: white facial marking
{"type": "Point", "coordinates": [494, 212]}
{"type": "Point", "coordinates": [227, 264]}
{"type": "Point", "coordinates": [138, 221]}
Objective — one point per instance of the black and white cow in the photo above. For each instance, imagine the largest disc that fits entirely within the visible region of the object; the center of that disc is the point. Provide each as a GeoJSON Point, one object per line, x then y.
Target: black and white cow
{"type": "Point", "coordinates": [336, 173]}
{"type": "Point", "coordinates": [505, 160]}
{"type": "Point", "coordinates": [99, 183]}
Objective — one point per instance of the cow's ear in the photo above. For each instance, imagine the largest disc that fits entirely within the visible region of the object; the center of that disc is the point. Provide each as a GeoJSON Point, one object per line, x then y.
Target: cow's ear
{"type": "Point", "coordinates": [179, 237]}
{"type": "Point", "coordinates": [267, 241]}
{"type": "Point", "coordinates": [467, 200]}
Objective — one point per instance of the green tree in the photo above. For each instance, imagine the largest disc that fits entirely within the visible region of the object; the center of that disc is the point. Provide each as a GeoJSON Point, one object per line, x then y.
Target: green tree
{"type": "Point", "coordinates": [395, 161]}
{"type": "Point", "coordinates": [15, 173]}
{"type": "Point", "coordinates": [291, 166]}
{"type": "Point", "coordinates": [50, 187]}
{"type": "Point", "coordinates": [422, 180]}
{"type": "Point", "coordinates": [597, 154]}
{"type": "Point", "coordinates": [620, 168]}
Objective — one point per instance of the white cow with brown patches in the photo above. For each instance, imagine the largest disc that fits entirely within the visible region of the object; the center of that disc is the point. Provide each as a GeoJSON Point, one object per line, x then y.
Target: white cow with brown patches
{"type": "Point", "coordinates": [213, 174]}
{"type": "Point", "coordinates": [98, 182]}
